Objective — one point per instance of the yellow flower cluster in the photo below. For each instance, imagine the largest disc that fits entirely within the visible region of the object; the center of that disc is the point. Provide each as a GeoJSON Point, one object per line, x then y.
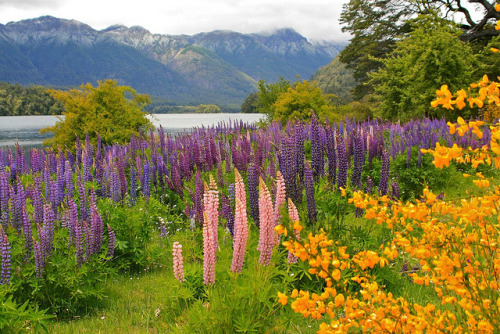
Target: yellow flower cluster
{"type": "Point", "coordinates": [455, 243]}
{"type": "Point", "coordinates": [487, 154]}
{"type": "Point", "coordinates": [487, 91]}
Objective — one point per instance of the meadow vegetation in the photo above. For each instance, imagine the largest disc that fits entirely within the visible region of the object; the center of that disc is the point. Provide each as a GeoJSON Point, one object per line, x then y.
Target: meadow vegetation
{"type": "Point", "coordinates": [302, 224]}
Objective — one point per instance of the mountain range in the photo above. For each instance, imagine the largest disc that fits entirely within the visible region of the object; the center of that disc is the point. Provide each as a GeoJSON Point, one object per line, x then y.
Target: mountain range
{"type": "Point", "coordinates": [219, 67]}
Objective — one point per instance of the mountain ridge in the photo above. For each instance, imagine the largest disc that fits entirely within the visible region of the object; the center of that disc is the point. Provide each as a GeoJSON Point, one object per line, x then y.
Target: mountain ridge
{"type": "Point", "coordinates": [220, 67]}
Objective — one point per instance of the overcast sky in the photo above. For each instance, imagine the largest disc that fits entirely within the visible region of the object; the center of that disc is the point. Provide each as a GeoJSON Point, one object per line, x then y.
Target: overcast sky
{"type": "Point", "coordinates": [314, 19]}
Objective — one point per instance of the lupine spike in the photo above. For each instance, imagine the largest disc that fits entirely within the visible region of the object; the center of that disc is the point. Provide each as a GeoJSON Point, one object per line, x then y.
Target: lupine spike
{"type": "Point", "coordinates": [241, 224]}
{"type": "Point", "coordinates": [266, 217]}
{"type": "Point", "coordinates": [309, 185]}
{"type": "Point", "coordinates": [5, 254]}
{"type": "Point", "coordinates": [111, 242]}
{"type": "Point", "coordinates": [178, 262]}
{"type": "Point", "coordinates": [384, 178]}
{"type": "Point", "coordinates": [253, 194]}
{"type": "Point", "coordinates": [342, 162]}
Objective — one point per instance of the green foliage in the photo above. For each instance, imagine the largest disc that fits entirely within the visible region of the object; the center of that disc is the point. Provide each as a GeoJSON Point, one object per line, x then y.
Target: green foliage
{"type": "Point", "coordinates": [268, 94]}
{"type": "Point", "coordinates": [208, 109]}
{"type": "Point", "coordinates": [335, 78]}
{"type": "Point", "coordinates": [15, 318]}
{"type": "Point", "coordinates": [358, 110]}
{"type": "Point", "coordinates": [105, 109]}
{"type": "Point", "coordinates": [375, 27]}
{"type": "Point", "coordinates": [430, 56]}
{"type": "Point", "coordinates": [65, 287]}
{"type": "Point", "coordinates": [251, 104]}
{"type": "Point", "coordinates": [244, 302]}
{"type": "Point", "coordinates": [299, 101]}
{"type": "Point", "coordinates": [412, 178]}
{"type": "Point", "coordinates": [135, 227]}
{"type": "Point", "coordinates": [15, 100]}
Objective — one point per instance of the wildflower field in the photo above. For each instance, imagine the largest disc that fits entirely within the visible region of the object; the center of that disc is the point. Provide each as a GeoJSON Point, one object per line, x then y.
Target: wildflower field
{"type": "Point", "coordinates": [303, 227]}
{"type": "Point", "coordinates": [328, 227]}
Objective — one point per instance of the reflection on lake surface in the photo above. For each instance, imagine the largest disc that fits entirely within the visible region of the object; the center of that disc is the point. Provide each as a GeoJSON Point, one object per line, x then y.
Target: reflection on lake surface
{"type": "Point", "coordinates": [25, 129]}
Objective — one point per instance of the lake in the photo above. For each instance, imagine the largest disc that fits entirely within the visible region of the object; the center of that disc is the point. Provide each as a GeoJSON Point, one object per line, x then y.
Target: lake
{"type": "Point", "coordinates": [25, 129]}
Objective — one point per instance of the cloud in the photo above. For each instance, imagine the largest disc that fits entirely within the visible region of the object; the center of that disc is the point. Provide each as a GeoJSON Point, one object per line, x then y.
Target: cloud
{"type": "Point", "coordinates": [30, 4]}
{"type": "Point", "coordinates": [315, 19]}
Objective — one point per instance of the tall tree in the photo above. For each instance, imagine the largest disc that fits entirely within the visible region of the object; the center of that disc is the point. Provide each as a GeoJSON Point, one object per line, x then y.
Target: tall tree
{"type": "Point", "coordinates": [376, 25]}
{"type": "Point", "coordinates": [114, 112]}
{"type": "Point", "coordinates": [431, 55]}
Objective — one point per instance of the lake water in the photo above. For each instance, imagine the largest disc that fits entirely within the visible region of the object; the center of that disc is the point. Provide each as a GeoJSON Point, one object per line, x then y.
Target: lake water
{"type": "Point", "coordinates": [25, 129]}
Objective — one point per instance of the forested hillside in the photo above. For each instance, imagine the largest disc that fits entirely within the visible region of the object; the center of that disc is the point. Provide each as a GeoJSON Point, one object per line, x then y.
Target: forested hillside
{"type": "Point", "coordinates": [17, 100]}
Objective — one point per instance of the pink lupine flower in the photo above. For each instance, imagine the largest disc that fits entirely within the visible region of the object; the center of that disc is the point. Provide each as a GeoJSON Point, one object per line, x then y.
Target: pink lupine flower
{"type": "Point", "coordinates": [178, 262]}
{"type": "Point", "coordinates": [210, 225]}
{"type": "Point", "coordinates": [266, 217]}
{"type": "Point", "coordinates": [293, 213]}
{"type": "Point", "coordinates": [208, 252]}
{"type": "Point", "coordinates": [240, 224]}
{"type": "Point", "coordinates": [211, 207]}
{"type": "Point", "coordinates": [278, 202]}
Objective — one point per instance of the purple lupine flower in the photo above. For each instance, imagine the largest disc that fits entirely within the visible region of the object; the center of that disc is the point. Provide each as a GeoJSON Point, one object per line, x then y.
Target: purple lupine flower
{"type": "Point", "coordinates": [177, 181]}
{"type": "Point", "coordinates": [35, 161]}
{"type": "Point", "coordinates": [395, 190]}
{"type": "Point", "coordinates": [331, 155]}
{"type": "Point", "coordinates": [342, 162]}
{"type": "Point", "coordinates": [52, 193]}
{"type": "Point", "coordinates": [68, 180]}
{"type": "Point", "coordinates": [317, 159]}
{"type": "Point", "coordinates": [4, 198]}
{"type": "Point", "coordinates": [13, 171]}
{"type": "Point", "coordinates": [111, 242]}
{"type": "Point", "coordinates": [359, 160]}
{"type": "Point", "coordinates": [37, 200]}
{"type": "Point", "coordinates": [220, 176]}
{"type": "Point", "coordinates": [48, 230]}
{"type": "Point", "coordinates": [72, 219]}
{"type": "Point", "coordinates": [230, 193]}
{"type": "Point", "coordinates": [78, 151]}
{"type": "Point", "coordinates": [309, 185]}
{"type": "Point", "coordinates": [146, 179]}
{"type": "Point", "coordinates": [97, 227]}
{"type": "Point", "coordinates": [19, 203]}
{"type": "Point", "coordinates": [288, 167]}
{"type": "Point", "coordinates": [46, 181]}
{"type": "Point", "coordinates": [82, 195]}
{"type": "Point", "coordinates": [28, 236]}
{"type": "Point", "coordinates": [87, 159]}
{"type": "Point", "coordinates": [133, 185]}
{"type": "Point", "coordinates": [299, 139]}
{"type": "Point", "coordinates": [79, 243]}
{"type": "Point", "coordinates": [122, 179]}
{"type": "Point", "coordinates": [115, 186]}
{"type": "Point", "coordinates": [5, 254]}
{"type": "Point", "coordinates": [253, 193]}
{"type": "Point", "coordinates": [227, 213]}
{"type": "Point", "coordinates": [20, 160]}
{"type": "Point", "coordinates": [384, 178]}
{"type": "Point", "coordinates": [59, 196]}
{"type": "Point", "coordinates": [369, 185]}
{"type": "Point", "coordinates": [88, 238]}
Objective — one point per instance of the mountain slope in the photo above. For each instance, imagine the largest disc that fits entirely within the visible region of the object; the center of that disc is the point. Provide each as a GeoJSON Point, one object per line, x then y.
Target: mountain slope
{"type": "Point", "coordinates": [220, 67]}
{"type": "Point", "coordinates": [335, 78]}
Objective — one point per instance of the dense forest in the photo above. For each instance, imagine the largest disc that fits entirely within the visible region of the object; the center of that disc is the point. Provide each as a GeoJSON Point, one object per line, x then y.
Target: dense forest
{"type": "Point", "coordinates": [16, 100]}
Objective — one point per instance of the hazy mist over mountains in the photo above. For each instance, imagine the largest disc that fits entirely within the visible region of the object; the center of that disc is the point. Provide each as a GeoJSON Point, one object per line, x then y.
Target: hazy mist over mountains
{"type": "Point", "coordinates": [220, 67]}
